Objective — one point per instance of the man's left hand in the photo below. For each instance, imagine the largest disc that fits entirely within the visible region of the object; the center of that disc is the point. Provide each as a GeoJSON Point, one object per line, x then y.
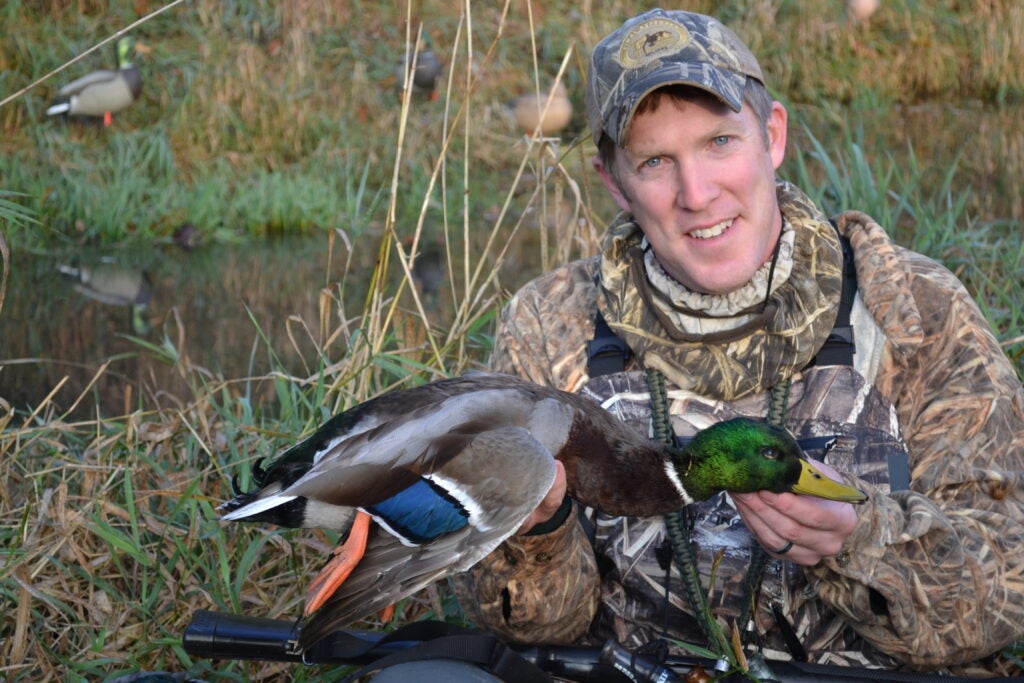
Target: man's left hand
{"type": "Point", "coordinates": [817, 528]}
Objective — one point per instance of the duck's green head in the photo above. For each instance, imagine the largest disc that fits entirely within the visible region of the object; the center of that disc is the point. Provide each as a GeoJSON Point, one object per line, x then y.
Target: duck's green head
{"type": "Point", "coordinates": [123, 48]}
{"type": "Point", "coordinates": [744, 455]}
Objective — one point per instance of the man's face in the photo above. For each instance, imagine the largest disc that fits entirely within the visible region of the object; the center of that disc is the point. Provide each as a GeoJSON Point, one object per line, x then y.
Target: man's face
{"type": "Point", "coordinates": [700, 181]}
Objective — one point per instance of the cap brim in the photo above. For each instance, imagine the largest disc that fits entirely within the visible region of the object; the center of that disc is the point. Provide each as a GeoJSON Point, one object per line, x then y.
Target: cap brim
{"type": "Point", "coordinates": [726, 85]}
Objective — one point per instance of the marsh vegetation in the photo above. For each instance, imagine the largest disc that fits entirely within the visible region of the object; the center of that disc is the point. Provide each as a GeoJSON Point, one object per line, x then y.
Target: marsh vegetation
{"type": "Point", "coordinates": [280, 132]}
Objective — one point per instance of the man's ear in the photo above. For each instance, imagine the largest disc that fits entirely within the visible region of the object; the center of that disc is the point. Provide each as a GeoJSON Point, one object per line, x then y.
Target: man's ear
{"type": "Point", "coordinates": [777, 119]}
{"type": "Point", "coordinates": [612, 184]}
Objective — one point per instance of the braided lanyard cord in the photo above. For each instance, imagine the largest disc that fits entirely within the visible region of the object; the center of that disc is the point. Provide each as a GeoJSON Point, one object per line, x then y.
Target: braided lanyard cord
{"type": "Point", "coordinates": [679, 524]}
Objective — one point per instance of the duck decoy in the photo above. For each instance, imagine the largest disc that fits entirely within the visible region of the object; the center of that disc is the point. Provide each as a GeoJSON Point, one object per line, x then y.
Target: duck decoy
{"type": "Point", "coordinates": [102, 93]}
{"type": "Point", "coordinates": [861, 11]}
{"type": "Point", "coordinates": [187, 236]}
{"type": "Point", "coordinates": [450, 469]}
{"type": "Point", "coordinates": [424, 76]}
{"type": "Point", "coordinates": [550, 111]}
{"type": "Point", "coordinates": [115, 284]}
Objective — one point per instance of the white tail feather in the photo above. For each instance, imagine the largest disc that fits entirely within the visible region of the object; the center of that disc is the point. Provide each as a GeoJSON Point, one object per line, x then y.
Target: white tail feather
{"type": "Point", "coordinates": [59, 108]}
{"type": "Point", "coordinates": [256, 507]}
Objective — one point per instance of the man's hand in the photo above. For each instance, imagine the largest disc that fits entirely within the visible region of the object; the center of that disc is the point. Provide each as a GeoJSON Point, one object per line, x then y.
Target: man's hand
{"type": "Point", "coordinates": [549, 506]}
{"type": "Point", "coordinates": [816, 527]}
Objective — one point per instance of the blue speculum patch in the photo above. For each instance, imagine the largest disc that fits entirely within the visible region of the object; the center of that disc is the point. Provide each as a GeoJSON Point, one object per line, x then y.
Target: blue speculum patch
{"type": "Point", "coordinates": [422, 512]}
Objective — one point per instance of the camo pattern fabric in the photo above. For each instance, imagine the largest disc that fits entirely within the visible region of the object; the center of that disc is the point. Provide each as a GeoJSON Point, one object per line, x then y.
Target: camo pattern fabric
{"type": "Point", "coordinates": [931, 579]}
{"type": "Point", "coordinates": [659, 47]}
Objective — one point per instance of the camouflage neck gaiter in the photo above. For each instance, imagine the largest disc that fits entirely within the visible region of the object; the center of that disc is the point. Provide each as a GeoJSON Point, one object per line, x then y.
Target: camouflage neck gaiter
{"type": "Point", "coordinates": [771, 339]}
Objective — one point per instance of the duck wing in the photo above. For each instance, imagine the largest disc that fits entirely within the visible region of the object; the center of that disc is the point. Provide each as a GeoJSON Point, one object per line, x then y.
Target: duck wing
{"type": "Point", "coordinates": [95, 78]}
{"type": "Point", "coordinates": [380, 448]}
{"type": "Point", "coordinates": [496, 498]}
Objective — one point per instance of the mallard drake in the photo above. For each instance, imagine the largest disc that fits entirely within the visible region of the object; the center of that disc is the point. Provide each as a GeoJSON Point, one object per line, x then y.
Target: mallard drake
{"type": "Point", "coordinates": [102, 93]}
{"type": "Point", "coordinates": [550, 111]}
{"type": "Point", "coordinates": [450, 469]}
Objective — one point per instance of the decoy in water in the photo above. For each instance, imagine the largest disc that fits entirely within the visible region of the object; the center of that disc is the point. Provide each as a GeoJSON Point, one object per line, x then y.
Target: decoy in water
{"type": "Point", "coordinates": [450, 469]}
{"type": "Point", "coordinates": [551, 111]}
{"type": "Point", "coordinates": [118, 285]}
{"type": "Point", "coordinates": [187, 236]}
{"type": "Point", "coordinates": [102, 93]}
{"type": "Point", "coordinates": [424, 76]}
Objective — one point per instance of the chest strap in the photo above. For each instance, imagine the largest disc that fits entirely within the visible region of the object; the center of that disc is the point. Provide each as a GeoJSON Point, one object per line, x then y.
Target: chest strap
{"type": "Point", "coordinates": [839, 347]}
{"type": "Point", "coordinates": [607, 354]}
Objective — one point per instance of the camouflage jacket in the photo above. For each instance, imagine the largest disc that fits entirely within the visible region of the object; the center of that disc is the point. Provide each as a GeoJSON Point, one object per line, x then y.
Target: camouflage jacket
{"type": "Point", "coordinates": [932, 578]}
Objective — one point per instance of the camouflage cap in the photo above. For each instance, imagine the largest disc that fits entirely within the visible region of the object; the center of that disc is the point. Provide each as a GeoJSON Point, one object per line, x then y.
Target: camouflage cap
{"type": "Point", "coordinates": [663, 47]}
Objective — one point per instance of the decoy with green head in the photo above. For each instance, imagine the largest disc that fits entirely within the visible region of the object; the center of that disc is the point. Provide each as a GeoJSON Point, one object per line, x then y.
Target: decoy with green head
{"type": "Point", "coordinates": [115, 284]}
{"type": "Point", "coordinates": [103, 93]}
{"type": "Point", "coordinates": [450, 469]}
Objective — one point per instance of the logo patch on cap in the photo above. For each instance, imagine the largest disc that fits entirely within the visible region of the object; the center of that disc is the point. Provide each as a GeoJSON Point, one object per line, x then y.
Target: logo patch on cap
{"type": "Point", "coordinates": [652, 40]}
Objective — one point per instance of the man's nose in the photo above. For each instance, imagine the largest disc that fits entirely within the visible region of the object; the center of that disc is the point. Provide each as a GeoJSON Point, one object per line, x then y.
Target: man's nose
{"type": "Point", "coordinates": [696, 187]}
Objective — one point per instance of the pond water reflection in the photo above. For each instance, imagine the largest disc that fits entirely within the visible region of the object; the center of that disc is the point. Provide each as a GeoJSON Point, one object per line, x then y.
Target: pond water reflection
{"type": "Point", "coordinates": [215, 305]}
{"type": "Point", "coordinates": [230, 309]}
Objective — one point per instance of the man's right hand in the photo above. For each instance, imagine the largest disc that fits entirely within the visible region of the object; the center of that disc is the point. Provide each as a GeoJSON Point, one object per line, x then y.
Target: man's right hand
{"type": "Point", "coordinates": [551, 502]}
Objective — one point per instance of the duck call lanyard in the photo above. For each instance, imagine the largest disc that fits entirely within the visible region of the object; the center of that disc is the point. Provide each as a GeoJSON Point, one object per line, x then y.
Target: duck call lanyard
{"type": "Point", "coordinates": [680, 526]}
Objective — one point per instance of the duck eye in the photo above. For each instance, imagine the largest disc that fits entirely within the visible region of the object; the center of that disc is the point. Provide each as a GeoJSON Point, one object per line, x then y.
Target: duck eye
{"type": "Point", "coordinates": [770, 452]}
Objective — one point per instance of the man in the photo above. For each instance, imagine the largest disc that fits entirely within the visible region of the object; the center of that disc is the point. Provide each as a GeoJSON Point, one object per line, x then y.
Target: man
{"type": "Point", "coordinates": [725, 284]}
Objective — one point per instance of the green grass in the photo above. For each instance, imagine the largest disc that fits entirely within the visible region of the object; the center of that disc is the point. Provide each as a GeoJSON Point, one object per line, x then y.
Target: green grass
{"type": "Point", "coordinates": [133, 188]}
{"type": "Point", "coordinates": [258, 119]}
{"type": "Point", "coordinates": [238, 93]}
{"type": "Point", "coordinates": [987, 257]}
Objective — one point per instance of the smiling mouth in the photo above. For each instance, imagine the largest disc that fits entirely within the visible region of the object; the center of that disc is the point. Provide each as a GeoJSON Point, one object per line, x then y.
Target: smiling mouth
{"type": "Point", "coordinates": [713, 231]}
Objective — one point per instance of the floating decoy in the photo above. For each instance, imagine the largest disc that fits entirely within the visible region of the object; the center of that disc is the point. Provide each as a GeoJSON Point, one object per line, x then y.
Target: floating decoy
{"type": "Point", "coordinates": [424, 76]}
{"type": "Point", "coordinates": [553, 112]}
{"type": "Point", "coordinates": [450, 469]}
{"type": "Point", "coordinates": [102, 93]}
{"type": "Point", "coordinates": [111, 283]}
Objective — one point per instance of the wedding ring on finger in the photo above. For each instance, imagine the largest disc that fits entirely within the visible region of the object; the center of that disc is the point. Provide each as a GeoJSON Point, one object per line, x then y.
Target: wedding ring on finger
{"type": "Point", "coordinates": [783, 550]}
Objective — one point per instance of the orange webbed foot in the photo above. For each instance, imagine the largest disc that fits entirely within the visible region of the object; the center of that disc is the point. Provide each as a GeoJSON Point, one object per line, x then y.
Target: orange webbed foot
{"type": "Point", "coordinates": [386, 614]}
{"type": "Point", "coordinates": [340, 566]}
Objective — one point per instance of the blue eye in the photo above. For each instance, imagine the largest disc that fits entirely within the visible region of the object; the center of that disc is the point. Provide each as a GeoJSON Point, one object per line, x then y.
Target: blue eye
{"type": "Point", "coordinates": [720, 140]}
{"type": "Point", "coordinates": [653, 162]}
